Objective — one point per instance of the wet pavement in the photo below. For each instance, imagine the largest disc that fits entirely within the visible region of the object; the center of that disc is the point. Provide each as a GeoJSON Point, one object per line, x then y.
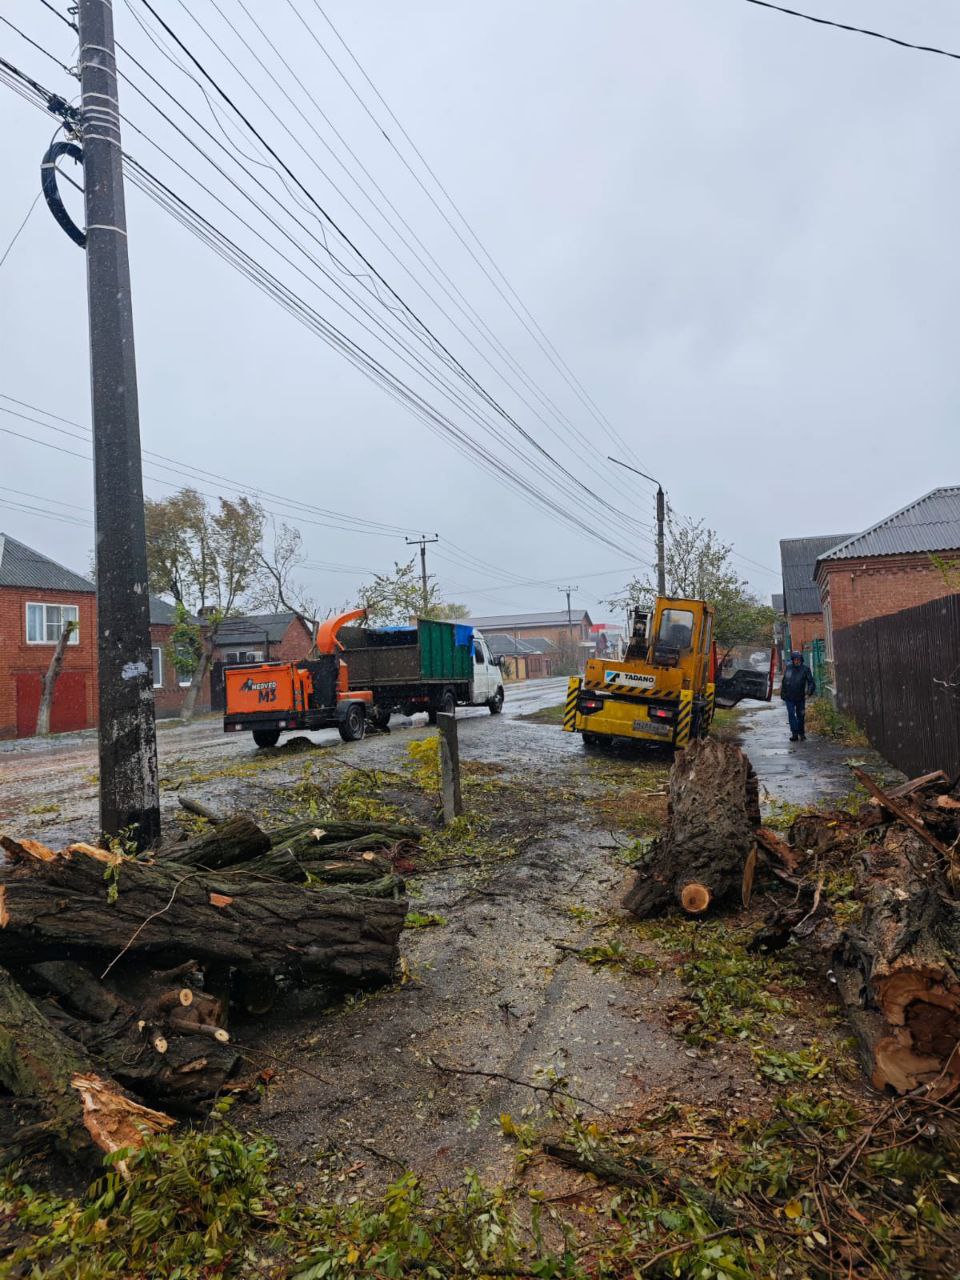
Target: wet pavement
{"type": "Point", "coordinates": [48, 786]}
{"type": "Point", "coordinates": [801, 773]}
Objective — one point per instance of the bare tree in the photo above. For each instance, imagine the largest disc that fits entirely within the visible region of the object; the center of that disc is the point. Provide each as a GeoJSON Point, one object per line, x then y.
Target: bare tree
{"type": "Point", "coordinates": [50, 680]}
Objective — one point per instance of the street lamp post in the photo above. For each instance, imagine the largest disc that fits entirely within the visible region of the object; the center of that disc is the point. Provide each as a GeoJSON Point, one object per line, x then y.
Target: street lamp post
{"type": "Point", "coordinates": [661, 517]}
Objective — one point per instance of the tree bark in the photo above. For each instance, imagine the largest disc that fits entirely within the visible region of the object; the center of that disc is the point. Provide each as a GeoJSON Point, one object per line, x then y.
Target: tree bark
{"type": "Point", "coordinates": [237, 839]}
{"type": "Point", "coordinates": [898, 965]}
{"type": "Point", "coordinates": [50, 680]}
{"type": "Point", "coordinates": [712, 819]}
{"type": "Point", "coordinates": [166, 911]}
{"type": "Point", "coordinates": [40, 1063]}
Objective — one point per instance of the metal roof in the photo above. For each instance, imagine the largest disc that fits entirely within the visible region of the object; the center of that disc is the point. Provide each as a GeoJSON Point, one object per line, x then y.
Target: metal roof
{"type": "Point", "coordinates": [21, 566]}
{"type": "Point", "coordinates": [932, 523]}
{"type": "Point", "coordinates": [164, 614]}
{"type": "Point", "coordinates": [254, 627]}
{"type": "Point", "coordinates": [777, 601]}
{"type": "Point", "coordinates": [504, 622]}
{"type": "Point", "coordinates": [504, 645]}
{"type": "Point", "coordinates": [798, 562]}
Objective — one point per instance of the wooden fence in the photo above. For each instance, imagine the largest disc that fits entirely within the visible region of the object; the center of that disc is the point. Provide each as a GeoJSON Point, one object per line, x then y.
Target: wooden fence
{"type": "Point", "coordinates": [899, 677]}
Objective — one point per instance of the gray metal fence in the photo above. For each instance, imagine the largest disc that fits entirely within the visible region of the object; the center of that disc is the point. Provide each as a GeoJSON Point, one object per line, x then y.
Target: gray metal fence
{"type": "Point", "coordinates": [899, 677]}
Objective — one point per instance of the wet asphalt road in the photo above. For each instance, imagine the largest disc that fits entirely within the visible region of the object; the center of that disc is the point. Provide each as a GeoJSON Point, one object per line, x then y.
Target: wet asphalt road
{"type": "Point", "coordinates": [800, 773]}
{"type": "Point", "coordinates": [38, 774]}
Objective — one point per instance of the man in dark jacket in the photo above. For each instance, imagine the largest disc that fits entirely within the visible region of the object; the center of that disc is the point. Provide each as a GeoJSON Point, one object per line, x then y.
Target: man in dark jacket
{"type": "Point", "coordinates": [797, 682]}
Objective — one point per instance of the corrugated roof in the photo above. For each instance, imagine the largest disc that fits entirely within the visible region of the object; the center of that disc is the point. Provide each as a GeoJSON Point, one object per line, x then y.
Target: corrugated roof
{"type": "Point", "coordinates": [253, 627]}
{"type": "Point", "coordinates": [164, 614]}
{"type": "Point", "coordinates": [21, 566]}
{"type": "Point", "coordinates": [504, 645]}
{"type": "Point", "coordinates": [798, 562]}
{"type": "Point", "coordinates": [932, 523]}
{"type": "Point", "coordinates": [503, 622]}
{"type": "Point", "coordinates": [777, 601]}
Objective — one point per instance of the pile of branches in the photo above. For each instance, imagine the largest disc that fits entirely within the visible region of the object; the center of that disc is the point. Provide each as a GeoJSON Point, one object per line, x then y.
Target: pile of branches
{"type": "Point", "coordinates": [875, 899]}
{"type": "Point", "coordinates": [120, 973]}
{"type": "Point", "coordinates": [877, 903]}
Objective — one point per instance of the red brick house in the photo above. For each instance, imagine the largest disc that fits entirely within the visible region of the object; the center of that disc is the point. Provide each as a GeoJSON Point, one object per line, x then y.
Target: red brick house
{"type": "Point", "coordinates": [892, 565]}
{"type": "Point", "coordinates": [38, 597]}
{"type": "Point", "coordinates": [801, 602]}
{"type": "Point", "coordinates": [555, 627]}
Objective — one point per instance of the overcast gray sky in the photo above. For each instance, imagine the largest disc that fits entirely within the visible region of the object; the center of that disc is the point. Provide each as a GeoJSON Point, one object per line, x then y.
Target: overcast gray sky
{"type": "Point", "coordinates": [738, 229]}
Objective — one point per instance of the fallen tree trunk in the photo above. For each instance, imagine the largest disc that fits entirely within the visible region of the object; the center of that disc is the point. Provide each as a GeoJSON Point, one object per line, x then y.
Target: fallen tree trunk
{"type": "Point", "coordinates": [37, 1061]}
{"type": "Point", "coordinates": [712, 818]}
{"type": "Point", "coordinates": [235, 840]}
{"type": "Point", "coordinates": [165, 910]}
{"type": "Point", "coordinates": [898, 963]}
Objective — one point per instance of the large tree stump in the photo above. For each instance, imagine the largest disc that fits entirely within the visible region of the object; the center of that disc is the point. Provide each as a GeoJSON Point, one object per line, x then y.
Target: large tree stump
{"type": "Point", "coordinates": [897, 973]}
{"type": "Point", "coordinates": [713, 814]}
{"type": "Point", "coordinates": [51, 906]}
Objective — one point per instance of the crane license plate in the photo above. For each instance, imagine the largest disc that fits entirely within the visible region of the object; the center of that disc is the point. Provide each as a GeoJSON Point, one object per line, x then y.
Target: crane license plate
{"type": "Point", "coordinates": [653, 726]}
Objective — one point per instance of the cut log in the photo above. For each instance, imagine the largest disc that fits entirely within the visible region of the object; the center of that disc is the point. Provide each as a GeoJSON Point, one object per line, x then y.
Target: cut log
{"type": "Point", "coordinates": [164, 910]}
{"type": "Point", "coordinates": [79, 990]}
{"type": "Point", "coordinates": [201, 810]}
{"type": "Point", "coordinates": [899, 964]}
{"type": "Point", "coordinates": [712, 818]}
{"type": "Point", "coordinates": [77, 1101]}
{"type": "Point", "coordinates": [231, 842]}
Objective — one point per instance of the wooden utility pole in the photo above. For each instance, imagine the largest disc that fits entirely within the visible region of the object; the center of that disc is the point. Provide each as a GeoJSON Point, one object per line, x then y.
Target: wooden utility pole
{"type": "Point", "coordinates": [424, 581]}
{"type": "Point", "coordinates": [661, 521]}
{"type": "Point", "coordinates": [129, 787]}
{"type": "Point", "coordinates": [567, 591]}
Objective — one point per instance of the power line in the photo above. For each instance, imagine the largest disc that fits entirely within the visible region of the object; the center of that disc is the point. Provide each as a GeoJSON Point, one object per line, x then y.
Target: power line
{"type": "Point", "coordinates": [536, 332]}
{"type": "Point", "coordinates": [16, 234]}
{"type": "Point", "coordinates": [860, 31]}
{"type": "Point", "coordinates": [471, 380]}
{"type": "Point", "coordinates": [460, 301]}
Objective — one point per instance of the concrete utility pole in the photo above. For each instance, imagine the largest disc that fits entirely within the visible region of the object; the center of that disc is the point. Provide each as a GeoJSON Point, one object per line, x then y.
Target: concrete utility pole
{"type": "Point", "coordinates": [129, 786]}
{"type": "Point", "coordinates": [567, 591]}
{"type": "Point", "coordinates": [661, 519]}
{"type": "Point", "coordinates": [423, 540]}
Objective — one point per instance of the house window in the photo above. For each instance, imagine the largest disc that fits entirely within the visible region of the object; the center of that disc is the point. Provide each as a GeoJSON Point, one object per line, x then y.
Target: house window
{"type": "Point", "coordinates": [45, 623]}
{"type": "Point", "coordinates": [157, 655]}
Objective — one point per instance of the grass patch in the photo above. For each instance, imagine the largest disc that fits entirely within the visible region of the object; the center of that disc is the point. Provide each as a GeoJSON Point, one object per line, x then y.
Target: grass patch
{"type": "Point", "coordinates": [633, 793]}
{"type": "Point", "coordinates": [546, 715]}
{"type": "Point", "coordinates": [424, 920]}
{"type": "Point", "coordinates": [830, 722]}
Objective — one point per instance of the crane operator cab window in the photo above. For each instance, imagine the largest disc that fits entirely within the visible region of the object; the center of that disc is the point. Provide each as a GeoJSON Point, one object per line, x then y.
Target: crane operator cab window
{"type": "Point", "coordinates": [674, 637]}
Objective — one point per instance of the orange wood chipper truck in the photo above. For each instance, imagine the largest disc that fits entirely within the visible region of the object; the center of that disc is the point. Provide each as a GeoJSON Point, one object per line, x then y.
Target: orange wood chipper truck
{"type": "Point", "coordinates": [269, 698]}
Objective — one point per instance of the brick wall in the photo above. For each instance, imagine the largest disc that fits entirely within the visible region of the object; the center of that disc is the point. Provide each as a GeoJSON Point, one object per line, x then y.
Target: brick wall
{"type": "Point", "coordinates": [805, 627]}
{"type": "Point", "coordinates": [18, 658]}
{"type": "Point", "coordinates": [875, 587]}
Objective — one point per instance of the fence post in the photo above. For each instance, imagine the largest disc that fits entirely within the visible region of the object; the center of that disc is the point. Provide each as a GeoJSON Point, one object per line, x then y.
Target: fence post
{"type": "Point", "coordinates": [449, 767]}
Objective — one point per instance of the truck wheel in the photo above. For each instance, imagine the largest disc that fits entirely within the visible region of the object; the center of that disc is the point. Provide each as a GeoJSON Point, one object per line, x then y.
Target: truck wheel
{"type": "Point", "coordinates": [448, 702]}
{"type": "Point", "coordinates": [353, 724]}
{"type": "Point", "coordinates": [266, 737]}
{"type": "Point", "coordinates": [496, 703]}
{"type": "Point", "coordinates": [590, 741]}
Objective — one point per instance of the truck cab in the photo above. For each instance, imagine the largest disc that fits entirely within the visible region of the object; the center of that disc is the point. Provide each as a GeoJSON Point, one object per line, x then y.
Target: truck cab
{"type": "Point", "coordinates": [486, 687]}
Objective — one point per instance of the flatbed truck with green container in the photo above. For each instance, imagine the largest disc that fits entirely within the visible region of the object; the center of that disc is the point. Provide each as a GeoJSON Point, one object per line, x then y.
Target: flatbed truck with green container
{"type": "Point", "coordinates": [429, 666]}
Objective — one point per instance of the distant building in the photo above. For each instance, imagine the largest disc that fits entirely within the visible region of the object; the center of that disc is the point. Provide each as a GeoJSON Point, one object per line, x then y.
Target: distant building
{"type": "Point", "coordinates": [892, 565]}
{"type": "Point", "coordinates": [522, 659]}
{"type": "Point", "coordinates": [801, 596]}
{"type": "Point", "coordinates": [555, 626]}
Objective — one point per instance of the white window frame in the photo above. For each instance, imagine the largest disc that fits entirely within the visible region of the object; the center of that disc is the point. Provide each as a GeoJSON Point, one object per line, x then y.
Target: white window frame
{"type": "Point", "coordinates": [44, 606]}
{"type": "Point", "coordinates": [156, 654]}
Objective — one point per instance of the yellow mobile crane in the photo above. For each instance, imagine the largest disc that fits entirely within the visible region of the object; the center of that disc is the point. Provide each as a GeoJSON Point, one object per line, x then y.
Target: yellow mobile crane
{"type": "Point", "coordinates": [664, 689]}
